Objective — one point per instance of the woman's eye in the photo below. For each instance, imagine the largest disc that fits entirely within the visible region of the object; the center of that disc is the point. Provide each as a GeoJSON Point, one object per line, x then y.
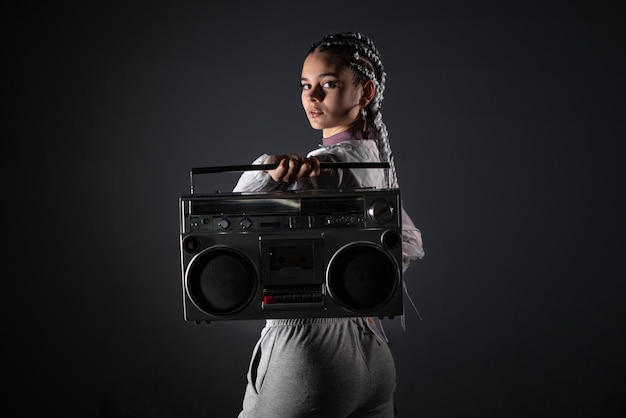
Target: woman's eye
{"type": "Point", "coordinates": [329, 84]}
{"type": "Point", "coordinates": [305, 86]}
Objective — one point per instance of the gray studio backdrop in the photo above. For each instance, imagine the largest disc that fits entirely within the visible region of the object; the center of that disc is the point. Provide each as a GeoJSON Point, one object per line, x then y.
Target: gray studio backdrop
{"type": "Point", "coordinates": [504, 121]}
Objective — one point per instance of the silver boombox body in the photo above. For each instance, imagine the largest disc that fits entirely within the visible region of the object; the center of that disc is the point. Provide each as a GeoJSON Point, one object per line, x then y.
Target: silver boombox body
{"type": "Point", "coordinates": [291, 254]}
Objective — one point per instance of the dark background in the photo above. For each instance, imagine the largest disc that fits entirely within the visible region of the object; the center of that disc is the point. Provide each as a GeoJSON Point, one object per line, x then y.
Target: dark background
{"type": "Point", "coordinates": [506, 123]}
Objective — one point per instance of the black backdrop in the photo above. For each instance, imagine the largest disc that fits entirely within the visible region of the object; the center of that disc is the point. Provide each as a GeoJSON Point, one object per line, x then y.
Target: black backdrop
{"type": "Point", "coordinates": [506, 123]}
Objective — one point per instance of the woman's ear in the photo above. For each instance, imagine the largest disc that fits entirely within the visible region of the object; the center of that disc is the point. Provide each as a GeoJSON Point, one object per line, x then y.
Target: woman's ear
{"type": "Point", "coordinates": [369, 91]}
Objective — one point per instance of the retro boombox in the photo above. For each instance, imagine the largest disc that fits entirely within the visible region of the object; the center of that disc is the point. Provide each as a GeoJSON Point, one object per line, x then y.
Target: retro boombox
{"type": "Point", "coordinates": [291, 254]}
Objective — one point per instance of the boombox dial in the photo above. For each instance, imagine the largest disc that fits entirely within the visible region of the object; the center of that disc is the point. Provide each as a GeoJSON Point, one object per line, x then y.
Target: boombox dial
{"type": "Point", "coordinates": [223, 223]}
{"type": "Point", "coordinates": [245, 223]}
{"type": "Point", "coordinates": [381, 211]}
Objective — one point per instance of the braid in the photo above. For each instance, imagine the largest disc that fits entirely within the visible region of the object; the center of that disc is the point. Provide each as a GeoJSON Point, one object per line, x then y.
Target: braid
{"type": "Point", "coordinates": [358, 52]}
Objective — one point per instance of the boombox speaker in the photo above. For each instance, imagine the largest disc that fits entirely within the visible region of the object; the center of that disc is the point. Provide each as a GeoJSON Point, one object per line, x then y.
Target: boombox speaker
{"type": "Point", "coordinates": [291, 254]}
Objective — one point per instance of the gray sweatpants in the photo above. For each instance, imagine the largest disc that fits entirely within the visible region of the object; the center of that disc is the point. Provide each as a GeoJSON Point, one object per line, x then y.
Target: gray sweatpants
{"type": "Point", "coordinates": [320, 367]}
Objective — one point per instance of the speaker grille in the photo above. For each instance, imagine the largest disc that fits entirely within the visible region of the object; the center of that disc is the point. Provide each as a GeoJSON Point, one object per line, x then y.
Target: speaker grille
{"type": "Point", "coordinates": [362, 277]}
{"type": "Point", "coordinates": [221, 281]}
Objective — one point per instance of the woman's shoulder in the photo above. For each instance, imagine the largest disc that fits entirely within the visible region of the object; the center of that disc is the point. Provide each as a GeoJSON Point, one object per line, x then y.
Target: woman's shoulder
{"type": "Point", "coordinates": [349, 150]}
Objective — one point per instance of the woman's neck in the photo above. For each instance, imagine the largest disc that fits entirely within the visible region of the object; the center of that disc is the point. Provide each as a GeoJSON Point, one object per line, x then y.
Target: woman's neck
{"type": "Point", "coordinates": [342, 136]}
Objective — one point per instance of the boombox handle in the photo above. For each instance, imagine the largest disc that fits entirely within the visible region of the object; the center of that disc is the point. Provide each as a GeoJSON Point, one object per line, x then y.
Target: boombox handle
{"type": "Point", "coordinates": [252, 167]}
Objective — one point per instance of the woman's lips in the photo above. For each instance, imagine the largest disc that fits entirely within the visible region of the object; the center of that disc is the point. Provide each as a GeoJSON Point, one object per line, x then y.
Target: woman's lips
{"type": "Point", "coordinates": [314, 113]}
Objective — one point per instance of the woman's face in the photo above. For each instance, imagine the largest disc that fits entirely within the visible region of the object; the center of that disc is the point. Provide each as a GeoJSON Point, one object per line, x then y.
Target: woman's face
{"type": "Point", "coordinates": [330, 99]}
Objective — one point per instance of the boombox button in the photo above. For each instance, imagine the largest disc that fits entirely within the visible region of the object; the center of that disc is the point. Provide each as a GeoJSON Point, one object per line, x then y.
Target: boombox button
{"type": "Point", "coordinates": [223, 223]}
{"type": "Point", "coordinates": [245, 223]}
{"type": "Point", "coordinates": [268, 299]}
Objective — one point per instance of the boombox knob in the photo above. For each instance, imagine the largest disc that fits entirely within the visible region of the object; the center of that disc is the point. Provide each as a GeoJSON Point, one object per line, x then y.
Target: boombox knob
{"type": "Point", "coordinates": [223, 223]}
{"type": "Point", "coordinates": [381, 211]}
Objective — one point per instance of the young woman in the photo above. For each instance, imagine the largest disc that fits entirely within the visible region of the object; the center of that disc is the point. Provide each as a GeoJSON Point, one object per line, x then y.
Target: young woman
{"type": "Point", "coordinates": [330, 367]}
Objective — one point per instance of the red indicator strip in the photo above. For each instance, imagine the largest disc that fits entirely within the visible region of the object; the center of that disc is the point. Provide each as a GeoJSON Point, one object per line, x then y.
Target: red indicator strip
{"type": "Point", "coordinates": [292, 298]}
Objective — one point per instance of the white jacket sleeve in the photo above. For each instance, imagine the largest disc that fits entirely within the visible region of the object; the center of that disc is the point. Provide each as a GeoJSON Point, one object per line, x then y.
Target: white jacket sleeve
{"type": "Point", "coordinates": [256, 180]}
{"type": "Point", "coordinates": [412, 247]}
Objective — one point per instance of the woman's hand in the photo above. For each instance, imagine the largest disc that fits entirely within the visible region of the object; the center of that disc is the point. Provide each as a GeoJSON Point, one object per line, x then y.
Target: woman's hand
{"type": "Point", "coordinates": [292, 167]}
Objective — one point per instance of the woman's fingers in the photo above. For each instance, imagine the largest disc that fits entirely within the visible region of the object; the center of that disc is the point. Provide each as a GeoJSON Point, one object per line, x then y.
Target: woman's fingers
{"type": "Point", "coordinates": [292, 167]}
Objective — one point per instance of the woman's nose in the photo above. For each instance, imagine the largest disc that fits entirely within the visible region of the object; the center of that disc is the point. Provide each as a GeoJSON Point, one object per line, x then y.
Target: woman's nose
{"type": "Point", "coordinates": [315, 94]}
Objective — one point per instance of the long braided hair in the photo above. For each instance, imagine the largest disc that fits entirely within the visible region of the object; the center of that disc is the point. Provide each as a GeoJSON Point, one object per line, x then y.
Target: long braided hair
{"type": "Point", "coordinates": [356, 51]}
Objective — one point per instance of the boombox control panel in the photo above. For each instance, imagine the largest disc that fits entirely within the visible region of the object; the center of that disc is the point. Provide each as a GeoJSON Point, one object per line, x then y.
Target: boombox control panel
{"type": "Point", "coordinates": [295, 254]}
